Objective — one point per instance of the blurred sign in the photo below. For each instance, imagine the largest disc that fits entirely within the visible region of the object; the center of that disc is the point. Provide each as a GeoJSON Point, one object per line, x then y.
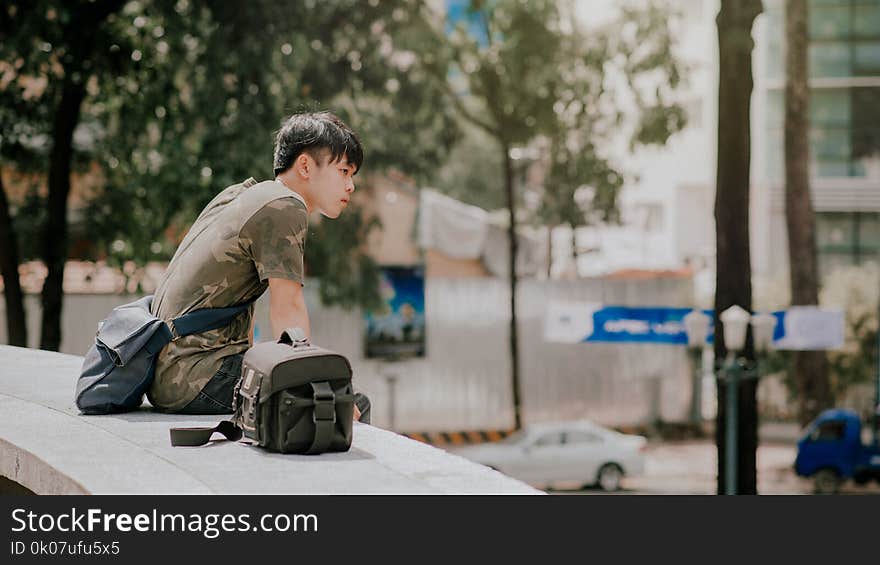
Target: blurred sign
{"type": "Point", "coordinates": [575, 322]}
{"type": "Point", "coordinates": [807, 327]}
{"type": "Point", "coordinates": [798, 328]}
{"type": "Point", "coordinates": [398, 329]}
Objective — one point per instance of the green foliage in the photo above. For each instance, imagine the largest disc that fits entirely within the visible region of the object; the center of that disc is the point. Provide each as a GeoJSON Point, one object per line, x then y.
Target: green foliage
{"type": "Point", "coordinates": [470, 174]}
{"type": "Point", "coordinates": [530, 76]}
{"type": "Point", "coordinates": [854, 290]}
{"type": "Point", "coordinates": [334, 247]}
{"type": "Point", "coordinates": [583, 187]}
{"type": "Point", "coordinates": [184, 97]}
{"type": "Point", "coordinates": [514, 71]}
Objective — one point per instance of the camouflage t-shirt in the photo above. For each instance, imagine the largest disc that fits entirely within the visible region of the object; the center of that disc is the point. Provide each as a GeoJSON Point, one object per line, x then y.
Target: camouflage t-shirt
{"type": "Point", "coordinates": [246, 234]}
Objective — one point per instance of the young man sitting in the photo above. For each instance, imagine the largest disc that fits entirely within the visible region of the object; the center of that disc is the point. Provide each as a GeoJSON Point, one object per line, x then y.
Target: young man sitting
{"type": "Point", "coordinates": [251, 237]}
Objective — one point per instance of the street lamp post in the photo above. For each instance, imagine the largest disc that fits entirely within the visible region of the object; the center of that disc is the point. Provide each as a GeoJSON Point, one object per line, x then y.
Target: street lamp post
{"type": "Point", "coordinates": [736, 325]}
{"type": "Point", "coordinates": [736, 322]}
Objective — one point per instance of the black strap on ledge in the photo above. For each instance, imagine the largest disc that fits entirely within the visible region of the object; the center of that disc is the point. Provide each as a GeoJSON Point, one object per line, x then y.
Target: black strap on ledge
{"type": "Point", "coordinates": [192, 437]}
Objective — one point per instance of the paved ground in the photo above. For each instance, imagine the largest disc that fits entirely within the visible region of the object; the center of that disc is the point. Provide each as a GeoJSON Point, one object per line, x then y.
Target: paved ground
{"type": "Point", "coordinates": [690, 468]}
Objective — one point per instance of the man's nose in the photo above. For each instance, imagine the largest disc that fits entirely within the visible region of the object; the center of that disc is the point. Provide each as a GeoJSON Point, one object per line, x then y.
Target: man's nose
{"type": "Point", "coordinates": [350, 187]}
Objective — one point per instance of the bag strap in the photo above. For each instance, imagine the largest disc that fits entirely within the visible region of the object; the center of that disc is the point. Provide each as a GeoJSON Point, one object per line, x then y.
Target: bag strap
{"type": "Point", "coordinates": [324, 416]}
{"type": "Point", "coordinates": [295, 337]}
{"type": "Point", "coordinates": [193, 437]}
{"type": "Point", "coordinates": [206, 319]}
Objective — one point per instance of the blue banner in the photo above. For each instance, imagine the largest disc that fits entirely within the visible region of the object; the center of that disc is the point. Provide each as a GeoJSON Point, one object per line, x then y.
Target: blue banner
{"type": "Point", "coordinates": [638, 325]}
{"type": "Point", "coordinates": [803, 327]}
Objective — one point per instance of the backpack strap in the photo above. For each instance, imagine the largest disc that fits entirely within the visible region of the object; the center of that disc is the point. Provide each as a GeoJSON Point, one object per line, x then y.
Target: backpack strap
{"type": "Point", "coordinates": [192, 437]}
{"type": "Point", "coordinates": [203, 320]}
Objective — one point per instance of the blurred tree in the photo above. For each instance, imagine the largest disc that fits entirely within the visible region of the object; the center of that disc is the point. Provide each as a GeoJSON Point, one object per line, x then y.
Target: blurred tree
{"type": "Point", "coordinates": [20, 124]}
{"type": "Point", "coordinates": [464, 173]}
{"type": "Point", "coordinates": [204, 97]}
{"type": "Point", "coordinates": [583, 182]}
{"type": "Point", "coordinates": [16, 327]}
{"type": "Point", "coordinates": [330, 250]}
{"type": "Point", "coordinates": [525, 71]}
{"type": "Point", "coordinates": [810, 368]}
{"type": "Point", "coordinates": [733, 277]}
{"type": "Point", "coordinates": [854, 289]}
{"type": "Point", "coordinates": [56, 42]}
{"type": "Point", "coordinates": [176, 99]}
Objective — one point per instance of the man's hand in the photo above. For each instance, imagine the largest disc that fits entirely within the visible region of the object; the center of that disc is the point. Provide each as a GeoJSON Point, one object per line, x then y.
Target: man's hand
{"type": "Point", "coordinates": [357, 414]}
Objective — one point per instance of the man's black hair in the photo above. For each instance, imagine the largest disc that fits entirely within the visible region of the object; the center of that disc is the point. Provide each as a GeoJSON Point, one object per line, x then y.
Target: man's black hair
{"type": "Point", "coordinates": [313, 132]}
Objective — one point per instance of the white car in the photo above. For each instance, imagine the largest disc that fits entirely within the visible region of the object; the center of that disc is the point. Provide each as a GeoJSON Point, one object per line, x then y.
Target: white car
{"type": "Point", "coordinates": [546, 454]}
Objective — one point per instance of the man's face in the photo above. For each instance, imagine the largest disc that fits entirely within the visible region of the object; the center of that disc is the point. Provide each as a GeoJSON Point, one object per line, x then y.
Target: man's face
{"type": "Point", "coordinates": [332, 185]}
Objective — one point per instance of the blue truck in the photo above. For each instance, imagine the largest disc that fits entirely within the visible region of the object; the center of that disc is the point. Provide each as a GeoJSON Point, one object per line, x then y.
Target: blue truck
{"type": "Point", "coordinates": [833, 451]}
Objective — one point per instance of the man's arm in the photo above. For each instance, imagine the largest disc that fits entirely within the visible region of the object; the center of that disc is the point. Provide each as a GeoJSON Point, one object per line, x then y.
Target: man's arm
{"type": "Point", "coordinates": [287, 307]}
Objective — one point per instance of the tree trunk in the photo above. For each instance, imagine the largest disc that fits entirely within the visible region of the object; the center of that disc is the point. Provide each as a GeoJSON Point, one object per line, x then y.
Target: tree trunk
{"type": "Point", "coordinates": [810, 367]}
{"type": "Point", "coordinates": [73, 90]}
{"type": "Point", "coordinates": [55, 234]}
{"type": "Point", "coordinates": [733, 273]}
{"type": "Point", "coordinates": [511, 234]}
{"type": "Point", "coordinates": [16, 322]}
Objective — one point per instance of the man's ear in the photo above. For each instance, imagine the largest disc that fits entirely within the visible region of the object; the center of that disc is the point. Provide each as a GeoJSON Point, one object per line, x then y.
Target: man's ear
{"type": "Point", "coordinates": [304, 166]}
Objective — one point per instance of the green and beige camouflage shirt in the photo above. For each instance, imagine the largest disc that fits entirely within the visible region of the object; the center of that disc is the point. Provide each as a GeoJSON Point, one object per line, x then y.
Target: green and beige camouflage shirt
{"type": "Point", "coordinates": [246, 234]}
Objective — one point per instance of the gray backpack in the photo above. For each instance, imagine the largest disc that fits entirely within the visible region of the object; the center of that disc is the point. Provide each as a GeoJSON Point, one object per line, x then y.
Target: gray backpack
{"type": "Point", "coordinates": [293, 397]}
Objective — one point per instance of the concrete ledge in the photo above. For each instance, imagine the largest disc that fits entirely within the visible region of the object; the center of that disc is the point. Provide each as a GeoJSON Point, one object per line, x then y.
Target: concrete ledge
{"type": "Point", "coordinates": [49, 448]}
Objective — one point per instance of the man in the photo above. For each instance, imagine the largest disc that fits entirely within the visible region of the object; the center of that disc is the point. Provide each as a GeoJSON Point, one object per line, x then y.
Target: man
{"type": "Point", "coordinates": [251, 237]}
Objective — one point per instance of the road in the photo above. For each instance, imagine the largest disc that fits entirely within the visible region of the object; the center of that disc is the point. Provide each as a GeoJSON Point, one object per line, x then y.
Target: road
{"type": "Point", "coordinates": [690, 467]}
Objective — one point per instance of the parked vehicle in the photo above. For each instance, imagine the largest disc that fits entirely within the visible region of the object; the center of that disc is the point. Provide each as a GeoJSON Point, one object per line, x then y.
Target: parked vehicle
{"type": "Point", "coordinates": [580, 451]}
{"type": "Point", "coordinates": [832, 451]}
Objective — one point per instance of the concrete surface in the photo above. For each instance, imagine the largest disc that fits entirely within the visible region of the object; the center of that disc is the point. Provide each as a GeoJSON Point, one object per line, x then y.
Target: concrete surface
{"type": "Point", "coordinates": [49, 448]}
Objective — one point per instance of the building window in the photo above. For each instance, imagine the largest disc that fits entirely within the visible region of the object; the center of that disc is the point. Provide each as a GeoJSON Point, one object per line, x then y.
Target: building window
{"type": "Point", "coordinates": [844, 38]}
{"type": "Point", "coordinates": [844, 120]}
{"type": "Point", "coordinates": [844, 132]}
{"type": "Point", "coordinates": [845, 239]}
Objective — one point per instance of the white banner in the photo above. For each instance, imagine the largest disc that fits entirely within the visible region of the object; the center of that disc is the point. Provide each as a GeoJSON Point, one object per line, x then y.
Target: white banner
{"type": "Point", "coordinates": [811, 328]}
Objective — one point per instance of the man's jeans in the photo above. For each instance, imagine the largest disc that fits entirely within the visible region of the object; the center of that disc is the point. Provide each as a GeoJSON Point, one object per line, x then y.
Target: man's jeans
{"type": "Point", "coordinates": [216, 396]}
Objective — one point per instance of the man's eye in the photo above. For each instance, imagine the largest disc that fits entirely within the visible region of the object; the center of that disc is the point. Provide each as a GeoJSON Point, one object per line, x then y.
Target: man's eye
{"type": "Point", "coordinates": [344, 171]}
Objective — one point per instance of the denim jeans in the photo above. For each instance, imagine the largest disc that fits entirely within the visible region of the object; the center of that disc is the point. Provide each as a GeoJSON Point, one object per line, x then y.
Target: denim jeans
{"type": "Point", "coordinates": [216, 396]}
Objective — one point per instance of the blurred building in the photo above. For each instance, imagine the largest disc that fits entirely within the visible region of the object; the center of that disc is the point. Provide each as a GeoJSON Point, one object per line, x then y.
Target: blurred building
{"type": "Point", "coordinates": [668, 213]}
{"type": "Point", "coordinates": [844, 74]}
